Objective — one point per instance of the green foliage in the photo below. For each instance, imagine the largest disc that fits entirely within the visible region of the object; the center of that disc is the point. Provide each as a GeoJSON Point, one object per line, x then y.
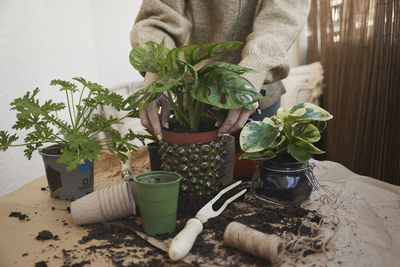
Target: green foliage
{"type": "Point", "coordinates": [193, 91]}
{"type": "Point", "coordinates": [76, 138]}
{"type": "Point", "coordinates": [290, 131]}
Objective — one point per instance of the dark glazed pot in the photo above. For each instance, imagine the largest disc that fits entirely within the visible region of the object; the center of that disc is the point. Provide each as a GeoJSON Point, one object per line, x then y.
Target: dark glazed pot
{"type": "Point", "coordinates": [284, 183]}
{"type": "Point", "coordinates": [154, 156]}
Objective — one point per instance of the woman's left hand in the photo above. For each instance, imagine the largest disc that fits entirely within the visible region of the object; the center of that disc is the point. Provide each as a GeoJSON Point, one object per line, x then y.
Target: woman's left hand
{"type": "Point", "coordinates": [236, 119]}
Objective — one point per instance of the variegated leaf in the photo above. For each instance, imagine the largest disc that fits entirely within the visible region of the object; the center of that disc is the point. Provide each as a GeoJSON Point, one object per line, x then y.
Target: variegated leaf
{"type": "Point", "coordinates": [257, 136]}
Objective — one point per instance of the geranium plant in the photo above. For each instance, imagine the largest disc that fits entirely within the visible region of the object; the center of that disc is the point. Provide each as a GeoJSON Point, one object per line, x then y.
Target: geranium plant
{"type": "Point", "coordinates": [76, 140]}
{"type": "Point", "coordinates": [290, 131]}
{"type": "Point", "coordinates": [193, 88]}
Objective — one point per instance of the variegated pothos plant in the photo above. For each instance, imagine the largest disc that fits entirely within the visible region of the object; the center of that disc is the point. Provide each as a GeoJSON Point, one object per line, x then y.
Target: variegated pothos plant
{"type": "Point", "coordinates": [193, 88]}
{"type": "Point", "coordinates": [290, 131]}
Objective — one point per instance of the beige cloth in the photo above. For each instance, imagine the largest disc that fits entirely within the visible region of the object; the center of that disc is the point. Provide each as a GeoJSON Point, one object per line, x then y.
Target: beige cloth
{"type": "Point", "coordinates": [368, 233]}
{"type": "Point", "coordinates": [304, 84]}
{"type": "Point", "coordinates": [268, 29]}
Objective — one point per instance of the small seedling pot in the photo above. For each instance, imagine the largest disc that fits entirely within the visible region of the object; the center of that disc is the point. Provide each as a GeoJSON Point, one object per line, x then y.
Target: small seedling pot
{"type": "Point", "coordinates": [67, 185]}
{"type": "Point", "coordinates": [283, 183]}
{"type": "Point", "coordinates": [158, 193]}
{"type": "Point", "coordinates": [106, 204]}
{"type": "Point", "coordinates": [154, 156]}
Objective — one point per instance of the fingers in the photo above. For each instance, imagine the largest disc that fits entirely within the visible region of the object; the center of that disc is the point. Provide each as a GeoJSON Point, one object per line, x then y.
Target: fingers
{"type": "Point", "coordinates": [149, 118]}
{"type": "Point", "coordinates": [144, 120]}
{"type": "Point", "coordinates": [165, 110]}
{"type": "Point", "coordinates": [230, 120]}
{"type": "Point", "coordinates": [149, 78]}
{"type": "Point", "coordinates": [241, 121]}
{"type": "Point", "coordinates": [153, 117]}
{"type": "Point", "coordinates": [236, 119]}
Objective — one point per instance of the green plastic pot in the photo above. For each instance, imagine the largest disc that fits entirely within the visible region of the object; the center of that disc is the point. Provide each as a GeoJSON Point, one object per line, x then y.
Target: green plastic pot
{"type": "Point", "coordinates": [158, 200]}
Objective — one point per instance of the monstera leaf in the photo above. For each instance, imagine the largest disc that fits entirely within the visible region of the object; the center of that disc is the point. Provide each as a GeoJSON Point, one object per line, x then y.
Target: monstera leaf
{"type": "Point", "coordinates": [135, 103]}
{"type": "Point", "coordinates": [189, 90]}
{"type": "Point", "coordinates": [220, 85]}
{"type": "Point", "coordinates": [257, 136]}
{"type": "Point", "coordinates": [150, 58]}
{"type": "Point", "coordinates": [193, 54]}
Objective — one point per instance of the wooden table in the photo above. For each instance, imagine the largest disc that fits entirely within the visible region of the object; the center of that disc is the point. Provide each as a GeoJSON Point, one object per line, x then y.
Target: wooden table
{"type": "Point", "coordinates": [368, 233]}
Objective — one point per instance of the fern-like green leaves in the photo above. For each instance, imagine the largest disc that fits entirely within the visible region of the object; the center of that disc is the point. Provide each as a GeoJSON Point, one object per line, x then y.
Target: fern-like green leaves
{"type": "Point", "coordinates": [77, 138]}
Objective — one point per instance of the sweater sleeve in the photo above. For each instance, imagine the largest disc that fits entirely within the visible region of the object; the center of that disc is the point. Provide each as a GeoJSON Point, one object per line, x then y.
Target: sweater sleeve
{"type": "Point", "coordinates": [275, 28]}
{"type": "Point", "coordinates": [158, 19]}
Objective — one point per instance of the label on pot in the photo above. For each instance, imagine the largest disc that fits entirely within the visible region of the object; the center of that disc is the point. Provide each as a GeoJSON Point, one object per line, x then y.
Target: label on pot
{"type": "Point", "coordinates": [85, 167]}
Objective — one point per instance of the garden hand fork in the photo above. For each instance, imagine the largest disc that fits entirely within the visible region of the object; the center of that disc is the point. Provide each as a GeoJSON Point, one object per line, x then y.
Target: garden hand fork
{"type": "Point", "coordinates": [183, 242]}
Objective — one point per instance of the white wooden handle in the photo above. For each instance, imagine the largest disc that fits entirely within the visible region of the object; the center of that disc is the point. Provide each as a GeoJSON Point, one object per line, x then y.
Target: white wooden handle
{"type": "Point", "coordinates": [183, 241]}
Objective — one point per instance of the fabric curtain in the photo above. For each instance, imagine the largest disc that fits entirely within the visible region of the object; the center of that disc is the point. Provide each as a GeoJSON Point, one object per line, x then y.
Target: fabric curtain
{"type": "Point", "coordinates": [357, 42]}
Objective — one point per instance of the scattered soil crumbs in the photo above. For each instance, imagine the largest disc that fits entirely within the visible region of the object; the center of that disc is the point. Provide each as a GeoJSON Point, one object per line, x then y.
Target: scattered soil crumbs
{"type": "Point", "coordinates": [254, 213]}
{"type": "Point", "coordinates": [80, 264]}
{"type": "Point", "coordinates": [18, 215]}
{"type": "Point", "coordinates": [119, 243]}
{"type": "Point", "coordinates": [41, 264]}
{"type": "Point", "coordinates": [46, 235]}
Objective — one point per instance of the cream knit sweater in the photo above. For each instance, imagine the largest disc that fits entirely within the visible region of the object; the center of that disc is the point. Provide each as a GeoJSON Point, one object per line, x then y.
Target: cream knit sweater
{"type": "Point", "coordinates": [267, 27]}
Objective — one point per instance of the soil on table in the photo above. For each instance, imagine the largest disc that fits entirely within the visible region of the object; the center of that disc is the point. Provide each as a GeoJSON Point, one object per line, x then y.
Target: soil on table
{"type": "Point", "coordinates": [19, 215]}
{"type": "Point", "coordinates": [117, 241]}
{"type": "Point", "coordinates": [250, 211]}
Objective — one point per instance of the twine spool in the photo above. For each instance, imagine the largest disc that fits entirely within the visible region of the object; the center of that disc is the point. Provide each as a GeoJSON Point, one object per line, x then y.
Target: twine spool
{"type": "Point", "coordinates": [241, 237]}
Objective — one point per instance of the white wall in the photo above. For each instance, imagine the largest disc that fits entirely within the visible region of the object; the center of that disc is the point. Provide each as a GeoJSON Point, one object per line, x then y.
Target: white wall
{"type": "Point", "coordinates": [45, 39]}
{"type": "Point", "coordinates": [113, 21]}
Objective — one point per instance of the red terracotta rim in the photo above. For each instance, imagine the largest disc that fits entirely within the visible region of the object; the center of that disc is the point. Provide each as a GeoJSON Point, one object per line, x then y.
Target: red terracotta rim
{"type": "Point", "coordinates": [188, 138]}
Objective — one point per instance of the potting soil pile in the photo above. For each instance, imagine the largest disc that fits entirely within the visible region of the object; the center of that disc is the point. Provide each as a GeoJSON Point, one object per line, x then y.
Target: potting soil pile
{"type": "Point", "coordinates": [352, 221]}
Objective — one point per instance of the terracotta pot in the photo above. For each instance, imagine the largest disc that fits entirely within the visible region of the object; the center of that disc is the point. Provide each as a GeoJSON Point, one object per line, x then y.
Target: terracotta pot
{"type": "Point", "coordinates": [188, 138]}
{"type": "Point", "coordinates": [244, 168]}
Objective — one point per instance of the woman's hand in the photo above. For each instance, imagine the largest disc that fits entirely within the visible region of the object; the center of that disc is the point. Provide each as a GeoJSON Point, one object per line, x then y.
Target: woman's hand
{"type": "Point", "coordinates": [236, 119]}
{"type": "Point", "coordinates": [149, 117]}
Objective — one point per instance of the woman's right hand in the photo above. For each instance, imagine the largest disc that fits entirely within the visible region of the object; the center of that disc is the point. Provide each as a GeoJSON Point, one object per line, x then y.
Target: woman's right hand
{"type": "Point", "coordinates": [149, 117]}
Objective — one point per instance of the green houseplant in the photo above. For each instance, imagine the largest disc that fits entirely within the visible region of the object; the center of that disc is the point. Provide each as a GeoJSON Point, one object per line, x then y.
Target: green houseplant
{"type": "Point", "coordinates": [282, 145]}
{"type": "Point", "coordinates": [69, 148]}
{"type": "Point", "coordinates": [199, 91]}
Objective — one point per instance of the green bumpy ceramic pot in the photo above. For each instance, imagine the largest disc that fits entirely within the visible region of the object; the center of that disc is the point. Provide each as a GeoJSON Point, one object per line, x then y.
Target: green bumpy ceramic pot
{"type": "Point", "coordinates": [201, 165]}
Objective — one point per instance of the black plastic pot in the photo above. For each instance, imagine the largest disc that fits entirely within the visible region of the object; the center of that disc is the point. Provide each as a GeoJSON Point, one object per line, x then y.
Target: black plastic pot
{"type": "Point", "coordinates": [155, 159]}
{"type": "Point", "coordinates": [63, 184]}
{"type": "Point", "coordinates": [284, 183]}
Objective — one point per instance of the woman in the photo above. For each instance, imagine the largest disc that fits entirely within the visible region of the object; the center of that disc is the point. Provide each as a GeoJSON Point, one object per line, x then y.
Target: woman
{"type": "Point", "coordinates": [268, 28]}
